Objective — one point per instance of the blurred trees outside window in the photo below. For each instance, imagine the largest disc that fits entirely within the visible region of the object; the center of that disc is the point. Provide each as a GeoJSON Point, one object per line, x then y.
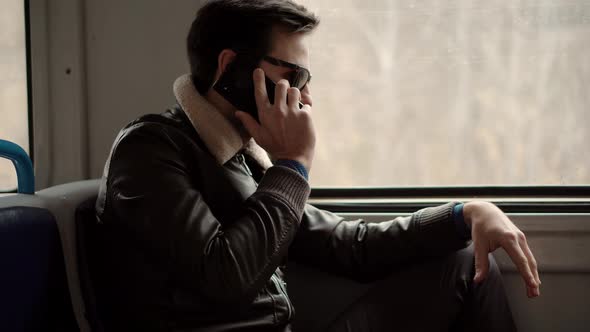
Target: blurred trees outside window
{"type": "Point", "coordinates": [13, 85]}
{"type": "Point", "coordinates": [445, 93]}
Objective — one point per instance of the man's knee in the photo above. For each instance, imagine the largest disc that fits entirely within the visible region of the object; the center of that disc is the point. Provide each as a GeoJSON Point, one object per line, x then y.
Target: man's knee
{"type": "Point", "coordinates": [494, 270]}
{"type": "Point", "coordinates": [462, 263]}
{"type": "Point", "coordinates": [464, 260]}
{"type": "Point", "coordinates": [459, 270]}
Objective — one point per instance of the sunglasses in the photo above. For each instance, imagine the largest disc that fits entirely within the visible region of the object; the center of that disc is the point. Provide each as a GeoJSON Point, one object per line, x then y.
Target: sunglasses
{"type": "Point", "coordinates": [299, 77]}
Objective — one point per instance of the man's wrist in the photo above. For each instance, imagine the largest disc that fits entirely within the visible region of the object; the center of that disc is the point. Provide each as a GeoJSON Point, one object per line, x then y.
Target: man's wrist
{"type": "Point", "coordinates": [470, 208]}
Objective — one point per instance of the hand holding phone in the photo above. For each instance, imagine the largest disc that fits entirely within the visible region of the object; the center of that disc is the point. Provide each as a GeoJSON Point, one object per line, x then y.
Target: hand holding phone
{"type": "Point", "coordinates": [283, 129]}
{"type": "Point", "coordinates": [236, 86]}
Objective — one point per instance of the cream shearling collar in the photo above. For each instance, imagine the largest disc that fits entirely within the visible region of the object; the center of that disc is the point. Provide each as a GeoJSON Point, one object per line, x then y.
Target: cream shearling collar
{"type": "Point", "coordinates": [220, 136]}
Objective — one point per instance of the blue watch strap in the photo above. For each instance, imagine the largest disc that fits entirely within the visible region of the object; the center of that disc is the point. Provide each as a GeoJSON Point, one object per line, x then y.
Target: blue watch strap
{"type": "Point", "coordinates": [294, 165]}
{"type": "Point", "coordinates": [463, 230]}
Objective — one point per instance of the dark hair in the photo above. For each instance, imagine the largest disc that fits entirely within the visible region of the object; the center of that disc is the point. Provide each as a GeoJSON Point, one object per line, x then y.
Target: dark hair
{"type": "Point", "coordinates": [241, 25]}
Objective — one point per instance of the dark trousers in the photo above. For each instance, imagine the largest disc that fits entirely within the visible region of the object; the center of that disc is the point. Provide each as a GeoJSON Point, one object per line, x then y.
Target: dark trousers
{"type": "Point", "coordinates": [434, 295]}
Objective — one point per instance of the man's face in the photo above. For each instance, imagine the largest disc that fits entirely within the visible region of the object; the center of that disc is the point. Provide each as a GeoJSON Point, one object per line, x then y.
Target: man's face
{"type": "Point", "coordinates": [290, 47]}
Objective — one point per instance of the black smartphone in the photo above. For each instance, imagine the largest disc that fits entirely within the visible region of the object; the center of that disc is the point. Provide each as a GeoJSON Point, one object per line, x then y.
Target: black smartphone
{"type": "Point", "coordinates": [236, 85]}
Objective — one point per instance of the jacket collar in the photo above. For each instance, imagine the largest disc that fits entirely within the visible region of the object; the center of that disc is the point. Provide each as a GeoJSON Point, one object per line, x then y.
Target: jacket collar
{"type": "Point", "coordinates": [220, 136]}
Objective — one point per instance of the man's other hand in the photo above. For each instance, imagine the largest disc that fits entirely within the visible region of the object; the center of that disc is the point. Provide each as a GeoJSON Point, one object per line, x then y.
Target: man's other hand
{"type": "Point", "coordinates": [490, 229]}
{"type": "Point", "coordinates": [285, 130]}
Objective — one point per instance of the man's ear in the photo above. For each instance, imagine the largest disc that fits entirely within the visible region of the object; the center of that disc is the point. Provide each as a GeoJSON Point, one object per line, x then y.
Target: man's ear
{"type": "Point", "coordinates": [226, 56]}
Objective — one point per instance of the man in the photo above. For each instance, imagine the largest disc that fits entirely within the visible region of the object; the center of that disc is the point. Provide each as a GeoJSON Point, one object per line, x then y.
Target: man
{"type": "Point", "coordinates": [199, 222]}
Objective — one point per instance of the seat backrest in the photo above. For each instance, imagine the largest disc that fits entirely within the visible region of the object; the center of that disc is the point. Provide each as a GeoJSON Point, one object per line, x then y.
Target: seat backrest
{"type": "Point", "coordinates": [61, 202]}
{"type": "Point", "coordinates": [39, 281]}
{"type": "Point", "coordinates": [64, 200]}
{"type": "Point", "coordinates": [34, 293]}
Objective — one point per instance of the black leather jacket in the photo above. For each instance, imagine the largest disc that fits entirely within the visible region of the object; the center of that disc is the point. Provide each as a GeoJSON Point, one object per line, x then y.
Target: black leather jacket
{"type": "Point", "coordinates": [198, 246]}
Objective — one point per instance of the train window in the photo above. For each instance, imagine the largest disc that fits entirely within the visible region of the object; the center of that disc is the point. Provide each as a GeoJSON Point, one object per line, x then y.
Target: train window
{"type": "Point", "coordinates": [14, 123]}
{"type": "Point", "coordinates": [438, 93]}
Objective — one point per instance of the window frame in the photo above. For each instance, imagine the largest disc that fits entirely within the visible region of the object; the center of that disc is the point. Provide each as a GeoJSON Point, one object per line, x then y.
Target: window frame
{"type": "Point", "coordinates": [29, 82]}
{"type": "Point", "coordinates": [511, 199]}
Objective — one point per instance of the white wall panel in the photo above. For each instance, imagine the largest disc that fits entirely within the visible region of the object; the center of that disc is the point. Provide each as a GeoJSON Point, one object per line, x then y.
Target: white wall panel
{"type": "Point", "coordinates": [59, 91]}
{"type": "Point", "coordinates": [134, 51]}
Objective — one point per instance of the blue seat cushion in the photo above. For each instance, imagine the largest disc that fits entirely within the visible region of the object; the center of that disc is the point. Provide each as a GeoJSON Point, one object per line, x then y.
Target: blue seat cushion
{"type": "Point", "coordinates": [34, 293]}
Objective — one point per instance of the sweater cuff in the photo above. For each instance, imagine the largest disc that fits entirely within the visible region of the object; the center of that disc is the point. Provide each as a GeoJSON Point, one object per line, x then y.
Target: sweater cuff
{"type": "Point", "coordinates": [436, 224]}
{"type": "Point", "coordinates": [287, 184]}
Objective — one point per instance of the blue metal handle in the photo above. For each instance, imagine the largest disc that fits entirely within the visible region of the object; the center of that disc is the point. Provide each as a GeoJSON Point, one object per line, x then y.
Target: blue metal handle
{"type": "Point", "coordinates": [23, 165]}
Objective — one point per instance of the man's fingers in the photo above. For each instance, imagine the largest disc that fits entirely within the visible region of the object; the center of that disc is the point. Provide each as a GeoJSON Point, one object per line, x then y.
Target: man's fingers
{"type": "Point", "coordinates": [251, 125]}
{"type": "Point", "coordinates": [293, 97]}
{"type": "Point", "coordinates": [482, 263]}
{"type": "Point", "coordinates": [306, 108]}
{"type": "Point", "coordinates": [281, 92]}
{"type": "Point", "coordinates": [260, 92]}
{"type": "Point", "coordinates": [531, 259]}
{"type": "Point", "coordinates": [518, 257]}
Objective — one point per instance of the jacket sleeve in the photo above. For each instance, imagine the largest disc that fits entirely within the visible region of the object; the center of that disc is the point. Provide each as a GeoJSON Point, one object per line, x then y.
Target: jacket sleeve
{"type": "Point", "coordinates": [365, 250]}
{"type": "Point", "coordinates": [155, 202]}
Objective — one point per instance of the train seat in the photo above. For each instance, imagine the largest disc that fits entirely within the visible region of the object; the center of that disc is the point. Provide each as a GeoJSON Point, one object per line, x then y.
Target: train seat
{"type": "Point", "coordinates": [37, 241]}
{"type": "Point", "coordinates": [33, 283]}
